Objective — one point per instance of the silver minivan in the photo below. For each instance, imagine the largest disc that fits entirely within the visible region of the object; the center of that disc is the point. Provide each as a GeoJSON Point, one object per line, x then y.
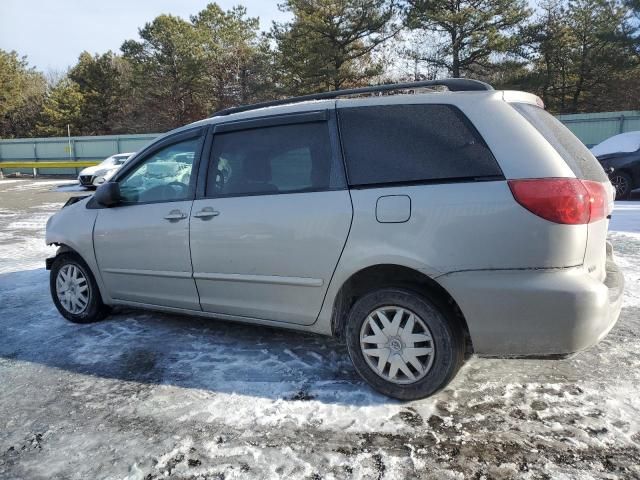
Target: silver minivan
{"type": "Point", "coordinates": [420, 228]}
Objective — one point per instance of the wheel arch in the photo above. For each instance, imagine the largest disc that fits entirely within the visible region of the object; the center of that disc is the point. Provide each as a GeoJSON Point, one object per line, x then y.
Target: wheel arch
{"type": "Point", "coordinates": [391, 275]}
{"type": "Point", "coordinates": [64, 248]}
{"type": "Point", "coordinates": [61, 250]}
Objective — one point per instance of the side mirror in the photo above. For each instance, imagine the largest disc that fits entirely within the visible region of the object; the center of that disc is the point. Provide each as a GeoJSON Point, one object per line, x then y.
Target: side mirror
{"type": "Point", "coordinates": [108, 194]}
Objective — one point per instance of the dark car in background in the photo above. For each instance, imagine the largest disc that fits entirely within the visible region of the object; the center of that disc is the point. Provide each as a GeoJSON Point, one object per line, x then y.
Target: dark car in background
{"type": "Point", "coordinates": [620, 157]}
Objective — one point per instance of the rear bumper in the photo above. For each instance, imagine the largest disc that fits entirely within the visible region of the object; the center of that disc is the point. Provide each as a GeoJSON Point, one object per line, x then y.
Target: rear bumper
{"type": "Point", "coordinates": [537, 313]}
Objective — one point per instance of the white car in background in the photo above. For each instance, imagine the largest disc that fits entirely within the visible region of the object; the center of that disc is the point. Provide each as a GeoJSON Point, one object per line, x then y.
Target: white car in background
{"type": "Point", "coordinates": [93, 177]}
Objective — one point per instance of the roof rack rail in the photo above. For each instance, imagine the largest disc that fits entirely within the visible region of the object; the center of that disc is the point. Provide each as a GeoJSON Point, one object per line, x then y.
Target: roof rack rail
{"type": "Point", "coordinates": [453, 84]}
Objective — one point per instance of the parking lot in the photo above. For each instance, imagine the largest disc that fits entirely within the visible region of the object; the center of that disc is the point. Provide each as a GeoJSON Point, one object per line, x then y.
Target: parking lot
{"type": "Point", "coordinates": [145, 395]}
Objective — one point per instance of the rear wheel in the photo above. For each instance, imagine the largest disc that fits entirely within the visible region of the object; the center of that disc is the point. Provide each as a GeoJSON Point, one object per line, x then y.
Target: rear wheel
{"type": "Point", "coordinates": [74, 290]}
{"type": "Point", "coordinates": [403, 344]}
{"type": "Point", "coordinates": [623, 183]}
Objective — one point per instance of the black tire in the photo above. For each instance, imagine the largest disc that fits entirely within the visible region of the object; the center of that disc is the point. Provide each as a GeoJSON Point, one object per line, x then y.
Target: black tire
{"type": "Point", "coordinates": [448, 341]}
{"type": "Point", "coordinates": [95, 309]}
{"type": "Point", "coordinates": [623, 183]}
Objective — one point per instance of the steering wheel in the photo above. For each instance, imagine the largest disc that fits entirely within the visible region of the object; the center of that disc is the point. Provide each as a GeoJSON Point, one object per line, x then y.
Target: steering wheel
{"type": "Point", "coordinates": [164, 192]}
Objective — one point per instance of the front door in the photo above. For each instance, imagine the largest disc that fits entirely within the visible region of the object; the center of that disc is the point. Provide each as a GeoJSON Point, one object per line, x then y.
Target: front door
{"type": "Point", "coordinates": [142, 244]}
{"type": "Point", "coordinates": [267, 237]}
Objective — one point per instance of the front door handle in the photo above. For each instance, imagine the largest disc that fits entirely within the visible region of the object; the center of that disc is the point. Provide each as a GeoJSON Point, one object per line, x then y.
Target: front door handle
{"type": "Point", "coordinates": [206, 212]}
{"type": "Point", "coordinates": [175, 215]}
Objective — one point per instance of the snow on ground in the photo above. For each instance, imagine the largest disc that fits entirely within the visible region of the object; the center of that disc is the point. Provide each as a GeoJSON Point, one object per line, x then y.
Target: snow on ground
{"type": "Point", "coordinates": [32, 184]}
{"type": "Point", "coordinates": [626, 217]}
{"type": "Point", "coordinates": [146, 396]}
{"type": "Point", "coordinates": [22, 226]}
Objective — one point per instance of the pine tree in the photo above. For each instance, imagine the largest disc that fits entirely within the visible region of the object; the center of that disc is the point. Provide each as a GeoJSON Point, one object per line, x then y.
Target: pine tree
{"type": "Point", "coordinates": [603, 47]}
{"type": "Point", "coordinates": [22, 92]}
{"type": "Point", "coordinates": [550, 45]}
{"type": "Point", "coordinates": [237, 57]}
{"type": "Point", "coordinates": [101, 80]}
{"type": "Point", "coordinates": [582, 57]}
{"type": "Point", "coordinates": [167, 69]}
{"type": "Point", "coordinates": [328, 45]}
{"type": "Point", "coordinates": [473, 31]}
{"type": "Point", "coordinates": [62, 108]}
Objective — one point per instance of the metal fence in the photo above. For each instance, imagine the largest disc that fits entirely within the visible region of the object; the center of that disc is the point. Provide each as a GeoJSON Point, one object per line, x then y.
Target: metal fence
{"type": "Point", "coordinates": [591, 128]}
{"type": "Point", "coordinates": [84, 150]}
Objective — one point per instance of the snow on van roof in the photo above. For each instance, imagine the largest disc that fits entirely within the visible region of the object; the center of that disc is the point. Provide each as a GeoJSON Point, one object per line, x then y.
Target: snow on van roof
{"type": "Point", "coordinates": [622, 143]}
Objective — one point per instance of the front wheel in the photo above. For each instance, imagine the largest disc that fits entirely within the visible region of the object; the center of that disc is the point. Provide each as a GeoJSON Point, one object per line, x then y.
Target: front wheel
{"type": "Point", "coordinates": [74, 290]}
{"type": "Point", "coordinates": [403, 344]}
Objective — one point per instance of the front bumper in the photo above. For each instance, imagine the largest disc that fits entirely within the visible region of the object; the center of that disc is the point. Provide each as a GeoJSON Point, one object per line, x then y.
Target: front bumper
{"type": "Point", "coordinates": [537, 313]}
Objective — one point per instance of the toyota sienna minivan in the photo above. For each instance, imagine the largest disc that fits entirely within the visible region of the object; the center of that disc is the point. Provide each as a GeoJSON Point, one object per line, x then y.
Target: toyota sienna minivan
{"type": "Point", "coordinates": [418, 227]}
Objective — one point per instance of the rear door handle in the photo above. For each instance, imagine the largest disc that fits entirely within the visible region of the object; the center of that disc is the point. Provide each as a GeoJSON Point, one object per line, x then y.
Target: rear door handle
{"type": "Point", "coordinates": [206, 212]}
{"type": "Point", "coordinates": [175, 215]}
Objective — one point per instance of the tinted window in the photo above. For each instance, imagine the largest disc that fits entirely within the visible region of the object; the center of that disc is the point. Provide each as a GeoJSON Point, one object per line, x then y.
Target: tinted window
{"type": "Point", "coordinates": [279, 159]}
{"type": "Point", "coordinates": [580, 160]}
{"type": "Point", "coordinates": [411, 143]}
{"type": "Point", "coordinates": [163, 176]}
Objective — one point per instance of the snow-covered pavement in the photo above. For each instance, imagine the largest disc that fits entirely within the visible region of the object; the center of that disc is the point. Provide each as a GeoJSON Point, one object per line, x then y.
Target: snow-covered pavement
{"type": "Point", "coordinates": [146, 396]}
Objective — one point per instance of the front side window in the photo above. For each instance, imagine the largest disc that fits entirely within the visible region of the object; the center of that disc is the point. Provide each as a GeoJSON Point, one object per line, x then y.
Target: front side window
{"type": "Point", "coordinates": [271, 160]}
{"type": "Point", "coordinates": [412, 143]}
{"type": "Point", "coordinates": [163, 176]}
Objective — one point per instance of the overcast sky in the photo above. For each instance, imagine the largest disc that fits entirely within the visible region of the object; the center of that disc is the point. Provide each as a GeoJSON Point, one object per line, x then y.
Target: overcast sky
{"type": "Point", "coordinates": [53, 33]}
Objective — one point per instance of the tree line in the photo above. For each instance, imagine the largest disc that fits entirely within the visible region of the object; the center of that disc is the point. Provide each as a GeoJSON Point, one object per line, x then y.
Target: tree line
{"type": "Point", "coordinates": [577, 55]}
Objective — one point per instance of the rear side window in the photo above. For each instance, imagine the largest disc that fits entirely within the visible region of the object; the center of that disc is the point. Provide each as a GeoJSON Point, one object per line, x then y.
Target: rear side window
{"type": "Point", "coordinates": [413, 143]}
{"type": "Point", "coordinates": [271, 160]}
{"type": "Point", "coordinates": [577, 156]}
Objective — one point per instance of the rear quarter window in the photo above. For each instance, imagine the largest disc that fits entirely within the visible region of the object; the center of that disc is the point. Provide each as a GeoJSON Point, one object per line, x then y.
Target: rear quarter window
{"type": "Point", "coordinates": [413, 143]}
{"type": "Point", "coordinates": [577, 156]}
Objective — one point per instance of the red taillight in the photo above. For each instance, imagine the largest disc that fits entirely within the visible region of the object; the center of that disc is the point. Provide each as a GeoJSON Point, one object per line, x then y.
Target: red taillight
{"type": "Point", "coordinates": [598, 199]}
{"type": "Point", "coordinates": [562, 200]}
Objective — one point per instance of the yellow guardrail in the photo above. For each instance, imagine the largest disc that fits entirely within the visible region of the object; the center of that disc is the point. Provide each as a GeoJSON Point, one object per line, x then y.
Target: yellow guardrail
{"type": "Point", "coordinates": [49, 164]}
